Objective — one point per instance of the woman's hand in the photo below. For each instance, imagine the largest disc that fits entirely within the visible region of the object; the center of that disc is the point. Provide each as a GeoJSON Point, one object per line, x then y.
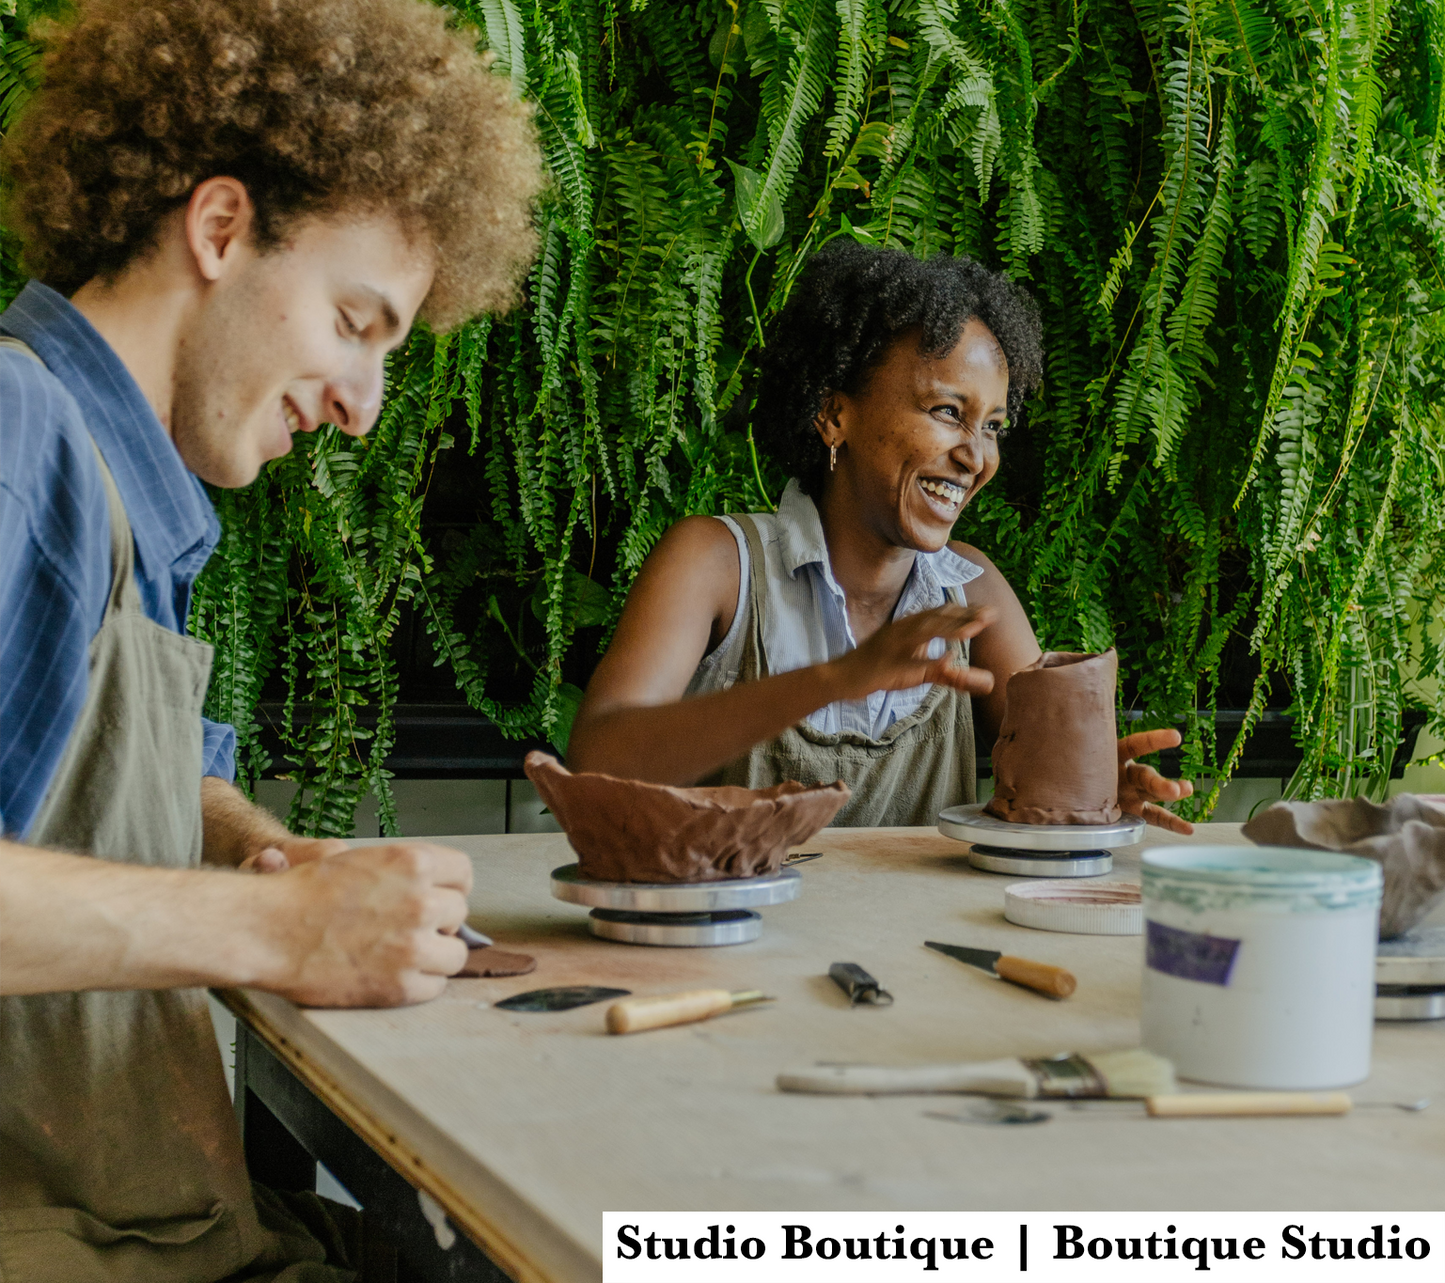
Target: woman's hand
{"type": "Point", "coordinates": [896, 656]}
{"type": "Point", "coordinates": [1141, 787]}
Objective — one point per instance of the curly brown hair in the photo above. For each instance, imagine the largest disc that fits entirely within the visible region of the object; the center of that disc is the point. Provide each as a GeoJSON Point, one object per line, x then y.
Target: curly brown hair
{"type": "Point", "coordinates": [321, 107]}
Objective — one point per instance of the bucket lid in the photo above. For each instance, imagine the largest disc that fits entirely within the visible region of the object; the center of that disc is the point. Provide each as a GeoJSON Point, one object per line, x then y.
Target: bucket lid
{"type": "Point", "coordinates": [1263, 868]}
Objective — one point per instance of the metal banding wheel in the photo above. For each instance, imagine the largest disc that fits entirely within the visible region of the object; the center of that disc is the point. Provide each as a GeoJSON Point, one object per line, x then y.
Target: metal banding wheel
{"type": "Point", "coordinates": [1059, 864]}
{"type": "Point", "coordinates": [1038, 850]}
{"type": "Point", "coordinates": [677, 914]}
{"type": "Point", "coordinates": [678, 930]}
{"type": "Point", "coordinates": [1409, 1002]}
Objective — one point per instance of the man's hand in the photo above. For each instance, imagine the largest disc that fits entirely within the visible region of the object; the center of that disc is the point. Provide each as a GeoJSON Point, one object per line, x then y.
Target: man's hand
{"type": "Point", "coordinates": [289, 852]}
{"type": "Point", "coordinates": [366, 927]}
{"type": "Point", "coordinates": [373, 926]}
{"type": "Point", "coordinates": [1141, 787]}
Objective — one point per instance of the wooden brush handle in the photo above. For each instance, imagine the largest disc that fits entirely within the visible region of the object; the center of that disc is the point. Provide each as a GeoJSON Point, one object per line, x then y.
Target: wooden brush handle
{"type": "Point", "coordinates": [1053, 981]}
{"type": "Point", "coordinates": [634, 1014]}
{"type": "Point", "coordinates": [1205, 1104]}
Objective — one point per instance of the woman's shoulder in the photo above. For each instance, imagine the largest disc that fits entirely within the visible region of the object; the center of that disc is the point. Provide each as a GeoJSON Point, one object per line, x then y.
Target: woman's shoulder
{"type": "Point", "coordinates": [697, 551]}
{"type": "Point", "coordinates": [698, 536]}
{"type": "Point", "coordinates": [981, 588]}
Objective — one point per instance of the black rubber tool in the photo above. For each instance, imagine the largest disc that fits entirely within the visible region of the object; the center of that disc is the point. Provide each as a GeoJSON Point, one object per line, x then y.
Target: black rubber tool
{"type": "Point", "coordinates": [563, 998]}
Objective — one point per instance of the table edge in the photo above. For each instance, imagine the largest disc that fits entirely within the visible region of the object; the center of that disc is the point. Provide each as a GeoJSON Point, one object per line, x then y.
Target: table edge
{"type": "Point", "coordinates": [398, 1133]}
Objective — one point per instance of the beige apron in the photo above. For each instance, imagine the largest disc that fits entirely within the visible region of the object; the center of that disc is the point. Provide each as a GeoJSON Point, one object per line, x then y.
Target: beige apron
{"type": "Point", "coordinates": [921, 764]}
{"type": "Point", "coordinates": [120, 1158]}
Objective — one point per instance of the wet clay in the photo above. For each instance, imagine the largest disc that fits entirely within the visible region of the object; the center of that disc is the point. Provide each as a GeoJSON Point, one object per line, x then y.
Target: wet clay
{"type": "Point", "coordinates": [1056, 760]}
{"type": "Point", "coordinates": [630, 831]}
{"type": "Point", "coordinates": [488, 961]}
{"type": "Point", "coordinates": [1405, 836]}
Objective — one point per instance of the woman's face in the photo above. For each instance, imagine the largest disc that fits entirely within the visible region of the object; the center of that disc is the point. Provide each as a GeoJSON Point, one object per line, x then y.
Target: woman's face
{"type": "Point", "coordinates": [921, 438]}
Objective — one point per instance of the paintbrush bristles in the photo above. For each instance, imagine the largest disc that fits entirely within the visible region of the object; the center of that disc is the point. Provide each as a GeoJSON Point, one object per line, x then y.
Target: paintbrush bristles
{"type": "Point", "coordinates": [1135, 1072]}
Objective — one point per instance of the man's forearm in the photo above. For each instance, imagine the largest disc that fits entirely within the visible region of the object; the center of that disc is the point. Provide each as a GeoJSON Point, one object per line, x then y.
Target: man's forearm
{"type": "Point", "coordinates": [70, 922]}
{"type": "Point", "coordinates": [234, 828]}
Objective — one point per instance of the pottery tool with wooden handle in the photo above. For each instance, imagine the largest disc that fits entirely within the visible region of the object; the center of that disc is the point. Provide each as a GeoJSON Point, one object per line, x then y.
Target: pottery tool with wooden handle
{"type": "Point", "coordinates": [660, 1010]}
{"type": "Point", "coordinates": [1247, 1104]}
{"type": "Point", "coordinates": [1052, 982]}
{"type": "Point", "coordinates": [1262, 1104]}
{"type": "Point", "coordinates": [1130, 1073]}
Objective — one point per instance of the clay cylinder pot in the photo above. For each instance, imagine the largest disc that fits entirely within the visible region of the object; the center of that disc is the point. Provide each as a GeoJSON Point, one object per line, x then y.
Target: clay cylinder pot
{"type": "Point", "coordinates": [1056, 760]}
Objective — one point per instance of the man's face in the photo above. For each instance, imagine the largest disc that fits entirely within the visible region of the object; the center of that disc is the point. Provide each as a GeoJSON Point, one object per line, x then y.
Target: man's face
{"type": "Point", "coordinates": [290, 339]}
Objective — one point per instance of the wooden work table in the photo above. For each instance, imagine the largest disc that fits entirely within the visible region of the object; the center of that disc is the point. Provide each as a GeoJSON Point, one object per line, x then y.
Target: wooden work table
{"type": "Point", "coordinates": [526, 1127]}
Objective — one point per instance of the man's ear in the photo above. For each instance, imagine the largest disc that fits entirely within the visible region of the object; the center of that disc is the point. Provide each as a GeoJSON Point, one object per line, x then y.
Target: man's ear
{"type": "Point", "coordinates": [219, 219]}
{"type": "Point", "coordinates": [829, 423]}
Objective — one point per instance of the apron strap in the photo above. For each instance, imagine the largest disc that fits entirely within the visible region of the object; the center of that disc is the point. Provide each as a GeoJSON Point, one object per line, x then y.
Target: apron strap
{"type": "Point", "coordinates": [757, 591]}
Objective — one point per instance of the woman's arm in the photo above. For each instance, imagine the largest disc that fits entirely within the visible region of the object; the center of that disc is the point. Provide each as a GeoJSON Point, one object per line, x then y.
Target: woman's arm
{"type": "Point", "coordinates": [634, 721]}
{"type": "Point", "coordinates": [1009, 645]}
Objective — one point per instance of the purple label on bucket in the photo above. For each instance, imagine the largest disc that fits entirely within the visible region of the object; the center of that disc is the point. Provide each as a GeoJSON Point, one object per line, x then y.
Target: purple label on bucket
{"type": "Point", "coordinates": [1190, 955]}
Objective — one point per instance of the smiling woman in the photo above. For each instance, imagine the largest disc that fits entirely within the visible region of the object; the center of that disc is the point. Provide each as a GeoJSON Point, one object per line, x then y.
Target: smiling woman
{"type": "Point", "coordinates": [846, 636]}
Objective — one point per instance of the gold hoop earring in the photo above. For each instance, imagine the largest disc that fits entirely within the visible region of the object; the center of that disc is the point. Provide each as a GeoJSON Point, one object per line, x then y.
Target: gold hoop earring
{"type": "Point", "coordinates": [832, 458]}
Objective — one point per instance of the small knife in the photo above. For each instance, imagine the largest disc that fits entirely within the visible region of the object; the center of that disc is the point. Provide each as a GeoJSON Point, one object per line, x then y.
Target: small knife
{"type": "Point", "coordinates": [1052, 982]}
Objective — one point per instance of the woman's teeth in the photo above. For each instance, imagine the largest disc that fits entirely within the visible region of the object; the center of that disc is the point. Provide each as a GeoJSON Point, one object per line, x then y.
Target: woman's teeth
{"type": "Point", "coordinates": [293, 420]}
{"type": "Point", "coordinates": [945, 490]}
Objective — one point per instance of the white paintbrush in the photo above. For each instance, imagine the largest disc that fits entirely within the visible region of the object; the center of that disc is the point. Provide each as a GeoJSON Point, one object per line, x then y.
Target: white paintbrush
{"type": "Point", "coordinates": [1134, 1072]}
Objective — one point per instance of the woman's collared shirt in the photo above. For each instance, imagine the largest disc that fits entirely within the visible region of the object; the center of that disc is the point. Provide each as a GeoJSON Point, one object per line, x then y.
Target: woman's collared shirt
{"type": "Point", "coordinates": [807, 620]}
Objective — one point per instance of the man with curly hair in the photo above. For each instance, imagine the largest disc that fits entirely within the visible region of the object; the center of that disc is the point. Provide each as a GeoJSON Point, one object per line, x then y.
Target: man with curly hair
{"type": "Point", "coordinates": [232, 210]}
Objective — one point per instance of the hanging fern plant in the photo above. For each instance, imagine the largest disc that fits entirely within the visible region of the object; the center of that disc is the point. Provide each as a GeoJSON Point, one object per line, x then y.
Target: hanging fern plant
{"type": "Point", "coordinates": [1227, 209]}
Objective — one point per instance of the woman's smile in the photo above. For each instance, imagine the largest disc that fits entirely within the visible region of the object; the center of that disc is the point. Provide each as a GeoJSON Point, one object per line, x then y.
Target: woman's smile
{"type": "Point", "coordinates": [943, 496]}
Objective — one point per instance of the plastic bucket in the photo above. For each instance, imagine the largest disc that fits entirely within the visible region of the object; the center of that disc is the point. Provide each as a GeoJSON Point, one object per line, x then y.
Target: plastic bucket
{"type": "Point", "coordinates": [1259, 964]}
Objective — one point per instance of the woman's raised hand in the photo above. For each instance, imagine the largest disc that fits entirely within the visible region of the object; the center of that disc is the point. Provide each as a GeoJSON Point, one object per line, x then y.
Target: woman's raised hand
{"type": "Point", "coordinates": [896, 656]}
{"type": "Point", "coordinates": [1142, 788]}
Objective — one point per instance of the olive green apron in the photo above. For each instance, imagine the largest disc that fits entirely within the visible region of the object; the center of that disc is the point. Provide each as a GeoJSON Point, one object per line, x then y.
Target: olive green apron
{"type": "Point", "coordinates": [120, 1158]}
{"type": "Point", "coordinates": [921, 764]}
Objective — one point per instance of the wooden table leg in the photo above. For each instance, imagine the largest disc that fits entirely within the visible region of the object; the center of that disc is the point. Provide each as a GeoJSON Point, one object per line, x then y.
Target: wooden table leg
{"type": "Point", "coordinates": [286, 1131]}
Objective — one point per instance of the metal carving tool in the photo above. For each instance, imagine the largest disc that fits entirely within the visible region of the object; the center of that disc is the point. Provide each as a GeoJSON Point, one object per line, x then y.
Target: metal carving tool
{"type": "Point", "coordinates": [472, 938]}
{"type": "Point", "coordinates": [859, 985]}
{"type": "Point", "coordinates": [991, 1110]}
{"type": "Point", "coordinates": [660, 1010]}
{"type": "Point", "coordinates": [1052, 982]}
{"type": "Point", "coordinates": [563, 998]}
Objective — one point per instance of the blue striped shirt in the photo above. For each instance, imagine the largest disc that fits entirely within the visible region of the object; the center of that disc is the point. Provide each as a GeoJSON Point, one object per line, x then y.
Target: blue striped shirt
{"type": "Point", "coordinates": [55, 535]}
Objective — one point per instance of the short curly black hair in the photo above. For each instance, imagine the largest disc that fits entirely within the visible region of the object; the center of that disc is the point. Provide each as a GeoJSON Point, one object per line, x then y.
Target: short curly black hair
{"type": "Point", "coordinates": [850, 303]}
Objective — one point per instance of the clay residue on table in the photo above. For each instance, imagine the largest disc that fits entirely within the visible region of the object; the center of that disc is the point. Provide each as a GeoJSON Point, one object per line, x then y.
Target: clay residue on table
{"type": "Point", "coordinates": [1405, 836]}
{"type": "Point", "coordinates": [631, 831]}
{"type": "Point", "coordinates": [1089, 895]}
{"type": "Point", "coordinates": [1056, 758]}
{"type": "Point", "coordinates": [488, 961]}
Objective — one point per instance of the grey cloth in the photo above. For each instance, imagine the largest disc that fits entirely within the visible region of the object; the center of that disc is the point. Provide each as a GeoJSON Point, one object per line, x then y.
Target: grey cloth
{"type": "Point", "coordinates": [1405, 836]}
{"type": "Point", "coordinates": [120, 1158]}
{"type": "Point", "coordinates": [921, 764]}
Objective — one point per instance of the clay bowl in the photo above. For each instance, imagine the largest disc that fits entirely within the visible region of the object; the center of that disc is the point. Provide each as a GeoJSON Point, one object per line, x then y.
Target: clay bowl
{"type": "Point", "coordinates": [630, 831]}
